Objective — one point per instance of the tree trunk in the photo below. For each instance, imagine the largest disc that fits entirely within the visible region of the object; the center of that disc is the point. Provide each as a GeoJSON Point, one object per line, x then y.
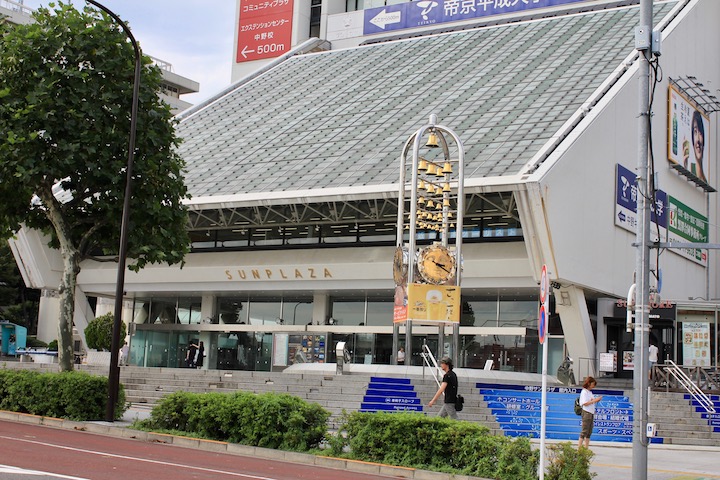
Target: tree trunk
{"type": "Point", "coordinates": [66, 357]}
{"type": "Point", "coordinates": [71, 267]}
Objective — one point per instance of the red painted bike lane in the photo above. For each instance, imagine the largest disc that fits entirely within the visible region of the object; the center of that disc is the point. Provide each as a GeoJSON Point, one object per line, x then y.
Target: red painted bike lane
{"type": "Point", "coordinates": [100, 457]}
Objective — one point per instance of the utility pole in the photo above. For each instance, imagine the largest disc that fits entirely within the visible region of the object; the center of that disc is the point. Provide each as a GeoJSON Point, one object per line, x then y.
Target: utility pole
{"type": "Point", "coordinates": [643, 42]}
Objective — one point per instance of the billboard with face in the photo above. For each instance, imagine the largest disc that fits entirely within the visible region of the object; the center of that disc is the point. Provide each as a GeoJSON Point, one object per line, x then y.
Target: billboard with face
{"type": "Point", "coordinates": [688, 135]}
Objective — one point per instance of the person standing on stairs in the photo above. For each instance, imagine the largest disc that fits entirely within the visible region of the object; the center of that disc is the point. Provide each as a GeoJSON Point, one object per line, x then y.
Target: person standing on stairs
{"type": "Point", "coordinates": [588, 400]}
{"type": "Point", "coordinates": [449, 387]}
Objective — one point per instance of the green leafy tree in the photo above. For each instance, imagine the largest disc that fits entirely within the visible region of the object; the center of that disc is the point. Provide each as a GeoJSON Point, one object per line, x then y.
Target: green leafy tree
{"type": "Point", "coordinates": [65, 101]}
{"type": "Point", "coordinates": [98, 333]}
{"type": "Point", "coordinates": [9, 277]}
{"type": "Point", "coordinates": [18, 304]}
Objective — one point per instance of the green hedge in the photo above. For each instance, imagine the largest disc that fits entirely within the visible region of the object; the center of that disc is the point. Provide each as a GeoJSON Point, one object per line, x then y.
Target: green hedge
{"type": "Point", "coordinates": [72, 395]}
{"type": "Point", "coordinates": [567, 462]}
{"type": "Point", "coordinates": [433, 443]}
{"type": "Point", "coordinates": [269, 420]}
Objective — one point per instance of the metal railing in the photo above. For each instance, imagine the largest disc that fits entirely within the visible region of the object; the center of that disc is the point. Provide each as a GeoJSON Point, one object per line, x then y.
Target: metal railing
{"type": "Point", "coordinates": [17, 7]}
{"type": "Point", "coordinates": [430, 362]}
{"type": "Point", "coordinates": [162, 64]}
{"type": "Point", "coordinates": [671, 375]}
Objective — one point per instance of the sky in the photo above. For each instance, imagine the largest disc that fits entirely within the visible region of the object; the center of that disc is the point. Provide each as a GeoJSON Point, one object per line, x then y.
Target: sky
{"type": "Point", "coordinates": [195, 36]}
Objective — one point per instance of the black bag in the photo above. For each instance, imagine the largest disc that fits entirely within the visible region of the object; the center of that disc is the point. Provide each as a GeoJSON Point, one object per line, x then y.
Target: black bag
{"type": "Point", "coordinates": [578, 408]}
{"type": "Point", "coordinates": [459, 401]}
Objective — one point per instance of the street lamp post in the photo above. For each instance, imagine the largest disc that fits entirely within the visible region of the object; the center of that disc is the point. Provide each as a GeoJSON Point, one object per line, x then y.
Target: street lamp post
{"type": "Point", "coordinates": [295, 309]}
{"type": "Point", "coordinates": [642, 256]}
{"type": "Point", "coordinates": [114, 374]}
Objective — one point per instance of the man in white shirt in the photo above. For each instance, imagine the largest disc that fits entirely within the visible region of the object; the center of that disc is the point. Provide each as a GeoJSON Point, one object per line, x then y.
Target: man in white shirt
{"type": "Point", "coordinates": [652, 358]}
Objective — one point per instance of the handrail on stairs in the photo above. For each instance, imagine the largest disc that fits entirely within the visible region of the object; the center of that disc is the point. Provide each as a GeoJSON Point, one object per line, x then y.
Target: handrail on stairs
{"type": "Point", "coordinates": [430, 362]}
{"type": "Point", "coordinates": [682, 378]}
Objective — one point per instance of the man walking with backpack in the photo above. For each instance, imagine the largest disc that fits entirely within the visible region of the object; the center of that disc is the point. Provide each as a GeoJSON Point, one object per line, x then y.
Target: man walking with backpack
{"type": "Point", "coordinates": [449, 387]}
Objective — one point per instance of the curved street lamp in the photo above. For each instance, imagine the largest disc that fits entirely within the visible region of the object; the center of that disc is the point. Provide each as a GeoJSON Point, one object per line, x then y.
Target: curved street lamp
{"type": "Point", "coordinates": [114, 374]}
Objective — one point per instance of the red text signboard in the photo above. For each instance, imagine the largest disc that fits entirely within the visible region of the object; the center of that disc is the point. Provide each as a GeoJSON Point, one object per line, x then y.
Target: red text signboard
{"type": "Point", "coordinates": [264, 29]}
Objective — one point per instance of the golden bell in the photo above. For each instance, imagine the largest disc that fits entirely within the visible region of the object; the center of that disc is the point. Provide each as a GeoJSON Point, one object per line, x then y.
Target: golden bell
{"type": "Point", "coordinates": [422, 166]}
{"type": "Point", "coordinates": [430, 204]}
{"type": "Point", "coordinates": [447, 168]}
{"type": "Point", "coordinates": [430, 169]}
{"type": "Point", "coordinates": [421, 184]}
{"type": "Point", "coordinates": [421, 201]}
{"type": "Point", "coordinates": [446, 187]}
{"type": "Point", "coordinates": [429, 188]}
{"type": "Point", "coordinates": [439, 172]}
{"type": "Point", "coordinates": [446, 202]}
{"type": "Point", "coordinates": [432, 141]}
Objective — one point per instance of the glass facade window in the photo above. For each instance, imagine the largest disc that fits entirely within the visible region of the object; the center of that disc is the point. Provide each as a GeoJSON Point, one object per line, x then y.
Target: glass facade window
{"type": "Point", "coordinates": [167, 311]}
{"type": "Point", "coordinates": [231, 310]}
{"type": "Point", "coordinates": [189, 310]}
{"type": "Point", "coordinates": [162, 311]}
{"type": "Point", "coordinates": [489, 218]}
{"type": "Point", "coordinates": [315, 12]}
{"type": "Point", "coordinates": [348, 312]}
{"type": "Point", "coordinates": [380, 313]}
{"type": "Point", "coordinates": [518, 312]}
{"type": "Point", "coordinates": [265, 311]}
{"type": "Point", "coordinates": [297, 311]}
{"type": "Point", "coordinates": [153, 345]}
{"type": "Point", "coordinates": [513, 353]}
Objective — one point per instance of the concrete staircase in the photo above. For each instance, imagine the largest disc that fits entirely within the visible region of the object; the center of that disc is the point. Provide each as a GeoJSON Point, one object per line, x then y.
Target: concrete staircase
{"type": "Point", "coordinates": [335, 393]}
{"type": "Point", "coordinates": [681, 421]}
{"type": "Point", "coordinates": [678, 421]}
{"type": "Point", "coordinates": [518, 409]}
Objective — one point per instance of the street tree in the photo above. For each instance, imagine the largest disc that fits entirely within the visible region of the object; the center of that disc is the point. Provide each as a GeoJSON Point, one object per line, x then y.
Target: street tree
{"type": "Point", "coordinates": [65, 104]}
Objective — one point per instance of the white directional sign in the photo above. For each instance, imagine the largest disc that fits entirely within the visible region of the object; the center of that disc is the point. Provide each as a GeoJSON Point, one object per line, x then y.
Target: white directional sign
{"type": "Point", "coordinates": [382, 19]}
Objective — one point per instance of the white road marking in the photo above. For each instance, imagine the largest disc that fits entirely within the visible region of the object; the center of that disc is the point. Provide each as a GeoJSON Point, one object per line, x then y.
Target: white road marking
{"type": "Point", "coordinates": [22, 471]}
{"type": "Point", "coordinates": [123, 457]}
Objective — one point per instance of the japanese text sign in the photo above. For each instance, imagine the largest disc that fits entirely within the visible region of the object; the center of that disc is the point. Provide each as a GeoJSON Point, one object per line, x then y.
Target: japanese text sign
{"type": "Point", "coordinates": [430, 12]}
{"type": "Point", "coordinates": [264, 29]}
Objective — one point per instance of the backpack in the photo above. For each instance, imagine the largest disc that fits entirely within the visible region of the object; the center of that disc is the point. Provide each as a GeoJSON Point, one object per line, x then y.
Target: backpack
{"type": "Point", "coordinates": [577, 407]}
{"type": "Point", "coordinates": [459, 401]}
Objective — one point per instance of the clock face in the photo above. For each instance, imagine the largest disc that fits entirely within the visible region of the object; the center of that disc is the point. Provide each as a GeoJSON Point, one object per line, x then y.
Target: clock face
{"type": "Point", "coordinates": [436, 264]}
{"type": "Point", "coordinates": [400, 266]}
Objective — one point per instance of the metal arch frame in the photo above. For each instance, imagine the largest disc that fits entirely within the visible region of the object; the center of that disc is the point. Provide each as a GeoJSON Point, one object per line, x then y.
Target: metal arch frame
{"type": "Point", "coordinates": [457, 184]}
{"type": "Point", "coordinates": [331, 212]}
{"type": "Point", "coordinates": [441, 130]}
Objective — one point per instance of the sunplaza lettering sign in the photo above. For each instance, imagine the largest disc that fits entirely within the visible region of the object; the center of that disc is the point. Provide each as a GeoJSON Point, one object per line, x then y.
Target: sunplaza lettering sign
{"type": "Point", "coordinates": [307, 273]}
{"type": "Point", "coordinates": [430, 12]}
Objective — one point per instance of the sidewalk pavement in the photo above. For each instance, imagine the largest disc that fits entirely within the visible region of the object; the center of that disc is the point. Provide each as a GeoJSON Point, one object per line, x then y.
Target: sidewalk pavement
{"type": "Point", "coordinates": [612, 461]}
{"type": "Point", "coordinates": [664, 462]}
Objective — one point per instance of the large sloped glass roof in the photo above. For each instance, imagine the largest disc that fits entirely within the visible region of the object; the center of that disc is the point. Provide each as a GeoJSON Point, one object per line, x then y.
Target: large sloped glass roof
{"type": "Point", "coordinates": [340, 118]}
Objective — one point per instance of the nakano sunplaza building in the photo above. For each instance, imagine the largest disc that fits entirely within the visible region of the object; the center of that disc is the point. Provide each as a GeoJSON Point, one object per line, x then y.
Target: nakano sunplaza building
{"type": "Point", "coordinates": [294, 176]}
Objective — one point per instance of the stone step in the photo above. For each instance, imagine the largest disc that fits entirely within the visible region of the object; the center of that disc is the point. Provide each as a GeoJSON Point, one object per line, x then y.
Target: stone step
{"type": "Point", "coordinates": [698, 442]}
